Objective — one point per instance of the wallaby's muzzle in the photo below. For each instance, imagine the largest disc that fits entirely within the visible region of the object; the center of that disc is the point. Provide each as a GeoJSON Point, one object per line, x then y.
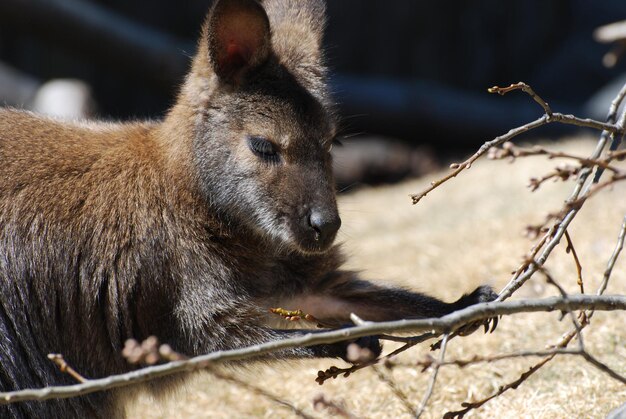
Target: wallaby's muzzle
{"type": "Point", "coordinates": [325, 225]}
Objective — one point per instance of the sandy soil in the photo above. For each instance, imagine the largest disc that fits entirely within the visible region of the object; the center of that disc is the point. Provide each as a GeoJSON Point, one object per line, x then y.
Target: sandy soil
{"type": "Point", "coordinates": [466, 233]}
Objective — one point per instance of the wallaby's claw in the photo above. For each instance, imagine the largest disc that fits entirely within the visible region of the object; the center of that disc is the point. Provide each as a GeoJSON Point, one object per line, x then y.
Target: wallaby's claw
{"type": "Point", "coordinates": [494, 323]}
{"type": "Point", "coordinates": [482, 294]}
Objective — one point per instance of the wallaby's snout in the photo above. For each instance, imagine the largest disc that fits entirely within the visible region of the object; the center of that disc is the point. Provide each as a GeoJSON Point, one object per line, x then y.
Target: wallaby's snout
{"type": "Point", "coordinates": [325, 224]}
{"type": "Point", "coordinates": [308, 207]}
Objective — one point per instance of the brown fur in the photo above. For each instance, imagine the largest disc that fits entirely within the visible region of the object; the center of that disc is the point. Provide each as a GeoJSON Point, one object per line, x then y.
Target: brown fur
{"type": "Point", "coordinates": [178, 228]}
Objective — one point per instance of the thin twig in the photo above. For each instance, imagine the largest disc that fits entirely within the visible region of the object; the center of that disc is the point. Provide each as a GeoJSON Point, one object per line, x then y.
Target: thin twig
{"type": "Point", "coordinates": [467, 164]}
{"type": "Point", "coordinates": [608, 270]}
{"type": "Point", "coordinates": [477, 359]}
{"type": "Point", "coordinates": [474, 405]}
{"type": "Point", "coordinates": [556, 349]}
{"type": "Point", "coordinates": [586, 123]}
{"type": "Point", "coordinates": [519, 278]}
{"type": "Point", "coordinates": [533, 252]}
{"type": "Point", "coordinates": [579, 268]}
{"type": "Point", "coordinates": [616, 139]}
{"type": "Point", "coordinates": [608, 127]}
{"type": "Point", "coordinates": [512, 151]}
{"type": "Point", "coordinates": [611, 263]}
{"type": "Point", "coordinates": [564, 294]}
{"type": "Point", "coordinates": [603, 367]}
{"type": "Point", "coordinates": [556, 232]}
{"type": "Point", "coordinates": [334, 372]}
{"type": "Point", "coordinates": [513, 385]}
{"type": "Point", "coordinates": [433, 378]}
{"type": "Point", "coordinates": [406, 339]}
{"type": "Point", "coordinates": [526, 89]}
{"type": "Point", "coordinates": [64, 367]}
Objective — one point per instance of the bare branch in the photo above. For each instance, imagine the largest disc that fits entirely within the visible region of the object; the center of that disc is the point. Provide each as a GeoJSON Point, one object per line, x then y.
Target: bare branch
{"type": "Point", "coordinates": [580, 193]}
{"type": "Point", "coordinates": [524, 88]}
{"type": "Point", "coordinates": [611, 118]}
{"type": "Point", "coordinates": [445, 324]}
{"type": "Point", "coordinates": [470, 406]}
{"type": "Point", "coordinates": [613, 258]}
{"type": "Point", "coordinates": [64, 367]}
{"type": "Point", "coordinates": [478, 359]}
{"type": "Point", "coordinates": [586, 123]}
{"type": "Point", "coordinates": [602, 367]}
{"type": "Point", "coordinates": [577, 326]}
{"type": "Point", "coordinates": [608, 128]}
{"type": "Point", "coordinates": [459, 167]}
{"type": "Point", "coordinates": [334, 372]}
{"type": "Point", "coordinates": [556, 117]}
{"type": "Point", "coordinates": [433, 378]}
{"type": "Point", "coordinates": [549, 354]}
{"type": "Point", "coordinates": [512, 151]}
{"type": "Point", "coordinates": [518, 280]}
{"type": "Point", "coordinates": [579, 268]}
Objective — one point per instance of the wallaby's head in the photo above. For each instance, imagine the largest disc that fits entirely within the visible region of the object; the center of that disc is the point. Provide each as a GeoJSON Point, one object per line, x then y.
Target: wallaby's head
{"type": "Point", "coordinates": [263, 123]}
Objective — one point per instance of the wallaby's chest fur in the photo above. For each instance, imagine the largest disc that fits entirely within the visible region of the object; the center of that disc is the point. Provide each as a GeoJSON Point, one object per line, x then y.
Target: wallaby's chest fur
{"type": "Point", "coordinates": [98, 211]}
{"type": "Point", "coordinates": [104, 237]}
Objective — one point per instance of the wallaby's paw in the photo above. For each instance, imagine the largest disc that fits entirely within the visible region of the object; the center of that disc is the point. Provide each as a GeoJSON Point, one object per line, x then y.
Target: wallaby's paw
{"type": "Point", "coordinates": [482, 294]}
{"type": "Point", "coordinates": [363, 349]}
{"type": "Point", "coordinates": [358, 351]}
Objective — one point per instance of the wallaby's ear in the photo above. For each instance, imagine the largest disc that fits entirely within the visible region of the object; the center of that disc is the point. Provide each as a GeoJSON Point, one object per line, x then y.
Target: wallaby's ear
{"type": "Point", "coordinates": [238, 38]}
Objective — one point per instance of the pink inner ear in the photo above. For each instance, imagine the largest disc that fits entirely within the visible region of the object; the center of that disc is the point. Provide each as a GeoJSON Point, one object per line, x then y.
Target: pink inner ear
{"type": "Point", "coordinates": [240, 35]}
{"type": "Point", "coordinates": [237, 55]}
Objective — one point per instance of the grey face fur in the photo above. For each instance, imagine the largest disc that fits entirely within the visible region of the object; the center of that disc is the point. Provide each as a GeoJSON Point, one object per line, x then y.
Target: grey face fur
{"type": "Point", "coordinates": [284, 193]}
{"type": "Point", "coordinates": [273, 195]}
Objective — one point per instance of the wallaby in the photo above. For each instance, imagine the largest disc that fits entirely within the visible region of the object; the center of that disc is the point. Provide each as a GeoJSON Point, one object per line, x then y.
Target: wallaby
{"type": "Point", "coordinates": [188, 229]}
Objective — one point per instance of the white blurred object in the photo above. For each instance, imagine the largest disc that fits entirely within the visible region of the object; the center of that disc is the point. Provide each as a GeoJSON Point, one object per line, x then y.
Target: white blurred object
{"type": "Point", "coordinates": [63, 98]}
{"type": "Point", "coordinates": [612, 33]}
{"type": "Point", "coordinates": [16, 88]}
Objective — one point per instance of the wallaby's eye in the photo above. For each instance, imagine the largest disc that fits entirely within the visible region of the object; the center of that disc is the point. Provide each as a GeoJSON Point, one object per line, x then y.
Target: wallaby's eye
{"type": "Point", "coordinates": [263, 148]}
{"type": "Point", "coordinates": [335, 143]}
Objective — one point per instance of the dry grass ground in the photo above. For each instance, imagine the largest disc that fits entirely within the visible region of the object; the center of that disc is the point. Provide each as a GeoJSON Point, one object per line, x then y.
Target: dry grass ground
{"type": "Point", "coordinates": [466, 233]}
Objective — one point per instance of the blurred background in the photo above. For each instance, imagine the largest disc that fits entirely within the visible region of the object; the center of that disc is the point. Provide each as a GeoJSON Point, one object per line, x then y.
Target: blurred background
{"type": "Point", "coordinates": [410, 76]}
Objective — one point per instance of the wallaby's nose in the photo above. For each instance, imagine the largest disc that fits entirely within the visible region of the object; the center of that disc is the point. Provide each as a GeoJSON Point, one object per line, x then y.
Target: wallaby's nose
{"type": "Point", "coordinates": [325, 225]}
